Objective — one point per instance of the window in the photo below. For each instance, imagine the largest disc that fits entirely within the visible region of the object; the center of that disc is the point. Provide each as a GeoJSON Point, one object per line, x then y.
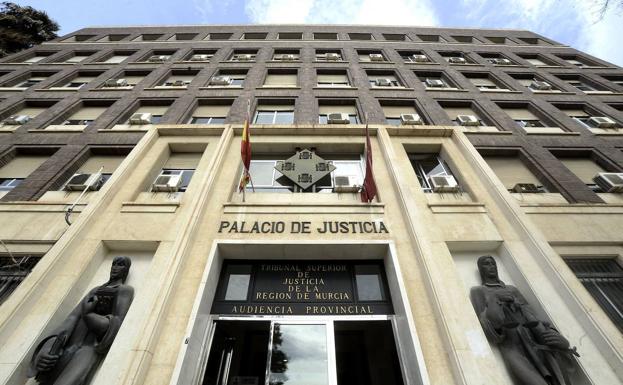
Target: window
{"type": "Point", "coordinates": [37, 57]}
{"type": "Point", "coordinates": [85, 115]}
{"type": "Point", "coordinates": [534, 83]}
{"type": "Point", "coordinates": [328, 55]}
{"type": "Point", "coordinates": [393, 112]}
{"type": "Point", "coordinates": [326, 109]}
{"type": "Point", "coordinates": [511, 170]}
{"type": "Point", "coordinates": [79, 81]}
{"type": "Point", "coordinates": [116, 57]}
{"type": "Point", "coordinates": [116, 37]}
{"type": "Point", "coordinates": [156, 111]}
{"type": "Point", "coordinates": [431, 38]}
{"type": "Point", "coordinates": [360, 36]}
{"type": "Point", "coordinates": [465, 39]}
{"type": "Point", "coordinates": [30, 109]}
{"type": "Point", "coordinates": [238, 278]}
{"type": "Point", "coordinates": [210, 113]}
{"type": "Point", "coordinates": [243, 55]}
{"type": "Point", "coordinates": [254, 36]}
{"type": "Point", "coordinates": [536, 60]}
{"type": "Point", "coordinates": [200, 55]}
{"type": "Point", "coordinates": [148, 37]}
{"type": "Point", "coordinates": [603, 278]}
{"type": "Point", "coordinates": [132, 78]}
{"type": "Point", "coordinates": [182, 164]}
{"type": "Point", "coordinates": [495, 58]}
{"type": "Point", "coordinates": [332, 78]}
{"type": "Point", "coordinates": [456, 110]}
{"type": "Point", "coordinates": [18, 169]}
{"type": "Point", "coordinates": [371, 56]}
{"type": "Point", "coordinates": [584, 168]}
{"type": "Point", "coordinates": [484, 82]}
{"type": "Point", "coordinates": [179, 79]}
{"type": "Point", "coordinates": [276, 114]}
{"type": "Point", "coordinates": [290, 36]}
{"type": "Point", "coordinates": [532, 41]}
{"type": "Point", "coordinates": [159, 56]}
{"type": "Point", "coordinates": [78, 57]}
{"type": "Point", "coordinates": [14, 268]}
{"type": "Point", "coordinates": [498, 40]}
{"type": "Point", "coordinates": [219, 36]}
{"type": "Point", "coordinates": [524, 117]}
{"type": "Point", "coordinates": [369, 283]}
{"type": "Point", "coordinates": [325, 36]}
{"type": "Point", "coordinates": [183, 36]}
{"type": "Point", "coordinates": [455, 57]}
{"type": "Point", "coordinates": [286, 55]}
{"type": "Point", "coordinates": [383, 79]}
{"type": "Point", "coordinates": [78, 38]}
{"type": "Point", "coordinates": [414, 57]}
{"type": "Point", "coordinates": [577, 61]}
{"type": "Point", "coordinates": [106, 163]}
{"type": "Point", "coordinates": [615, 79]}
{"type": "Point", "coordinates": [395, 36]}
{"type": "Point", "coordinates": [281, 78]}
{"type": "Point", "coordinates": [228, 78]}
{"type": "Point", "coordinates": [267, 179]}
{"type": "Point", "coordinates": [31, 81]}
{"type": "Point", "coordinates": [582, 84]}
{"type": "Point", "coordinates": [434, 80]}
{"type": "Point", "coordinates": [427, 166]}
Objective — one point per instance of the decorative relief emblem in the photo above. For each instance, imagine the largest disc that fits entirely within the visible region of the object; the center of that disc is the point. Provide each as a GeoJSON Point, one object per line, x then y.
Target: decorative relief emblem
{"type": "Point", "coordinates": [305, 168]}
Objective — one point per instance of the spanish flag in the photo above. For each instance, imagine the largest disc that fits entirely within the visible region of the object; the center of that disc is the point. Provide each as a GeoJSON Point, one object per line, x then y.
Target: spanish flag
{"type": "Point", "coordinates": [245, 154]}
{"type": "Point", "coordinates": [369, 185]}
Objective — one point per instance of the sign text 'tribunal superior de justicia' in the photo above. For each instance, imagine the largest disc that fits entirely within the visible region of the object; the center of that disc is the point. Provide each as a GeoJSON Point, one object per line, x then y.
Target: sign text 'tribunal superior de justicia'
{"type": "Point", "coordinates": [302, 227]}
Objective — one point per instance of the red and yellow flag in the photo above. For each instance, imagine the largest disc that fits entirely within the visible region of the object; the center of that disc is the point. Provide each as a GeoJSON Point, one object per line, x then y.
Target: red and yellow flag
{"type": "Point", "coordinates": [369, 185]}
{"type": "Point", "coordinates": [245, 154]}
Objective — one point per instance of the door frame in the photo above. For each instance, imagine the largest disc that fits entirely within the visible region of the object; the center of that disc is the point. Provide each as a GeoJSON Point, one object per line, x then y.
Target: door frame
{"type": "Point", "coordinates": [193, 353]}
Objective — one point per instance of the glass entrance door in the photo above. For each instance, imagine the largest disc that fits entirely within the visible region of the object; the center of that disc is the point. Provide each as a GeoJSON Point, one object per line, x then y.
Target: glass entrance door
{"type": "Point", "coordinates": [323, 352]}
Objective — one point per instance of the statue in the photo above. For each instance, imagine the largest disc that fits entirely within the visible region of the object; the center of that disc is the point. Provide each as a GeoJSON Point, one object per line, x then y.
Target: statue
{"type": "Point", "coordinates": [535, 353]}
{"type": "Point", "coordinates": [69, 355]}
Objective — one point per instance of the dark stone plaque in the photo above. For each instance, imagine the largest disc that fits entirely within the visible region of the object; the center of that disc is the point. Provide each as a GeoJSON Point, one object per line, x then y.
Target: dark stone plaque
{"type": "Point", "coordinates": [305, 288]}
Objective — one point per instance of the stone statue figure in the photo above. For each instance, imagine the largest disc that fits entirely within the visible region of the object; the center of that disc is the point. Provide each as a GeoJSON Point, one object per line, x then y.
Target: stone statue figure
{"type": "Point", "coordinates": [69, 355]}
{"type": "Point", "coordinates": [534, 352]}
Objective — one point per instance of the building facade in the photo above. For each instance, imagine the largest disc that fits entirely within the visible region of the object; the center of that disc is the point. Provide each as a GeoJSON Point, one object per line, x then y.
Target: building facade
{"type": "Point", "coordinates": [126, 142]}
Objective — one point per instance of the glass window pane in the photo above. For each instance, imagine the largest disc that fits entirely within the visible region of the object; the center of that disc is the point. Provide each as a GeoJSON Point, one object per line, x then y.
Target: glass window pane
{"type": "Point", "coordinates": [284, 117]}
{"type": "Point", "coordinates": [351, 169]}
{"type": "Point", "coordinates": [368, 280]}
{"type": "Point", "coordinates": [217, 120]}
{"type": "Point", "coordinates": [299, 355]}
{"type": "Point", "coordinates": [237, 287]}
{"type": "Point", "coordinates": [262, 173]}
{"type": "Point", "coordinates": [264, 117]}
{"type": "Point", "coordinates": [186, 176]}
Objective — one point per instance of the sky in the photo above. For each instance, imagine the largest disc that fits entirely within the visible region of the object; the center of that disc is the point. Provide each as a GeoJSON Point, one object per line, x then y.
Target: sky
{"type": "Point", "coordinates": [571, 22]}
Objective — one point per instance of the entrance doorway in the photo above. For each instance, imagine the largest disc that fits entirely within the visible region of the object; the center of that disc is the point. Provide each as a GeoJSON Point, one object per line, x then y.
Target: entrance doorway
{"type": "Point", "coordinates": [291, 351]}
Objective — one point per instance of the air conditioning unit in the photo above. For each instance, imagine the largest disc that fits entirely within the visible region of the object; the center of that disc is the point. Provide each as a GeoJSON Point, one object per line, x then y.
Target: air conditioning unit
{"type": "Point", "coordinates": [413, 119]}
{"type": "Point", "coordinates": [338, 118]}
{"type": "Point", "coordinates": [243, 57]}
{"type": "Point", "coordinates": [16, 120]}
{"type": "Point", "coordinates": [420, 58]}
{"type": "Point", "coordinates": [376, 57]}
{"type": "Point", "coordinates": [200, 58]}
{"type": "Point", "coordinates": [435, 83]}
{"type": "Point", "coordinates": [467, 120]}
{"type": "Point", "coordinates": [457, 60]}
{"type": "Point", "coordinates": [140, 118]}
{"type": "Point", "coordinates": [79, 182]}
{"type": "Point", "coordinates": [383, 82]}
{"type": "Point", "coordinates": [343, 184]}
{"type": "Point", "coordinates": [332, 56]}
{"type": "Point", "coordinates": [601, 122]}
{"type": "Point", "coordinates": [610, 181]}
{"type": "Point", "coordinates": [444, 183]}
{"type": "Point", "coordinates": [540, 86]}
{"type": "Point", "coordinates": [220, 81]}
{"type": "Point", "coordinates": [158, 58]}
{"type": "Point", "coordinates": [110, 83]}
{"type": "Point", "coordinates": [285, 57]}
{"type": "Point", "coordinates": [179, 83]}
{"type": "Point", "coordinates": [526, 188]}
{"type": "Point", "coordinates": [170, 183]}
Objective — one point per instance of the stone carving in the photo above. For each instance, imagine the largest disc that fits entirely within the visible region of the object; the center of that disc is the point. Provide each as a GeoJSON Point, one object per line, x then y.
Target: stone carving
{"type": "Point", "coordinates": [535, 353]}
{"type": "Point", "coordinates": [69, 355]}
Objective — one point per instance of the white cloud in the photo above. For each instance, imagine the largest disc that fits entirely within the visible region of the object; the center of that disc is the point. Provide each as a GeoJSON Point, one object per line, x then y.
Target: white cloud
{"type": "Point", "coordinates": [386, 12]}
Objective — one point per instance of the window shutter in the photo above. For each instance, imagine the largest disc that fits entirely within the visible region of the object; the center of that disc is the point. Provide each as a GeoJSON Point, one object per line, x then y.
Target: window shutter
{"type": "Point", "coordinates": [453, 112]}
{"type": "Point", "coordinates": [94, 163]}
{"type": "Point", "coordinates": [511, 171]}
{"type": "Point", "coordinates": [88, 113]}
{"type": "Point", "coordinates": [183, 160]}
{"type": "Point", "coordinates": [21, 166]}
{"type": "Point", "coordinates": [520, 114]}
{"type": "Point", "coordinates": [287, 80]}
{"type": "Point", "coordinates": [154, 110]}
{"type": "Point", "coordinates": [583, 168]}
{"type": "Point", "coordinates": [329, 109]}
{"type": "Point", "coordinates": [212, 110]}
{"type": "Point", "coordinates": [396, 111]}
{"type": "Point", "coordinates": [333, 78]}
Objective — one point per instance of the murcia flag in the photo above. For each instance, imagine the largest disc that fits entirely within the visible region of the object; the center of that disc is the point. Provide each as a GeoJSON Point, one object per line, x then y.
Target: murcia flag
{"type": "Point", "coordinates": [245, 154]}
{"type": "Point", "coordinates": [369, 186]}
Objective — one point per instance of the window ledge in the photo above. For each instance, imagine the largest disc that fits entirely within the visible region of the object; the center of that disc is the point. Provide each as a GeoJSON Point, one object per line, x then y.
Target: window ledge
{"type": "Point", "coordinates": [297, 61]}
{"type": "Point", "coordinates": [602, 93]}
{"type": "Point", "coordinates": [102, 63]}
{"type": "Point", "coordinates": [548, 131]}
{"type": "Point", "coordinates": [237, 61]}
{"type": "Point", "coordinates": [422, 63]}
{"type": "Point", "coordinates": [15, 64]}
{"type": "Point", "coordinates": [13, 89]}
{"type": "Point", "coordinates": [335, 88]}
{"type": "Point", "coordinates": [106, 89]}
{"type": "Point", "coordinates": [554, 92]}
{"type": "Point", "coordinates": [330, 61]}
{"type": "Point", "coordinates": [153, 63]}
{"type": "Point", "coordinates": [511, 65]}
{"type": "Point", "coordinates": [466, 64]}
{"type": "Point", "coordinates": [348, 207]}
{"type": "Point", "coordinates": [221, 88]}
{"type": "Point", "coordinates": [63, 63]}
{"type": "Point", "coordinates": [457, 207]}
{"type": "Point", "coordinates": [376, 62]}
{"type": "Point", "coordinates": [278, 88]}
{"type": "Point", "coordinates": [548, 66]}
{"type": "Point", "coordinates": [34, 206]}
{"type": "Point", "coordinates": [60, 89]}
{"type": "Point", "coordinates": [481, 130]}
{"type": "Point", "coordinates": [392, 88]}
{"type": "Point", "coordinates": [9, 128]}
{"type": "Point", "coordinates": [501, 91]}
{"type": "Point", "coordinates": [446, 89]}
{"type": "Point", "coordinates": [149, 207]}
{"type": "Point", "coordinates": [191, 62]}
{"type": "Point", "coordinates": [60, 128]}
{"type": "Point", "coordinates": [422, 130]}
{"type": "Point", "coordinates": [159, 88]}
{"type": "Point", "coordinates": [607, 131]}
